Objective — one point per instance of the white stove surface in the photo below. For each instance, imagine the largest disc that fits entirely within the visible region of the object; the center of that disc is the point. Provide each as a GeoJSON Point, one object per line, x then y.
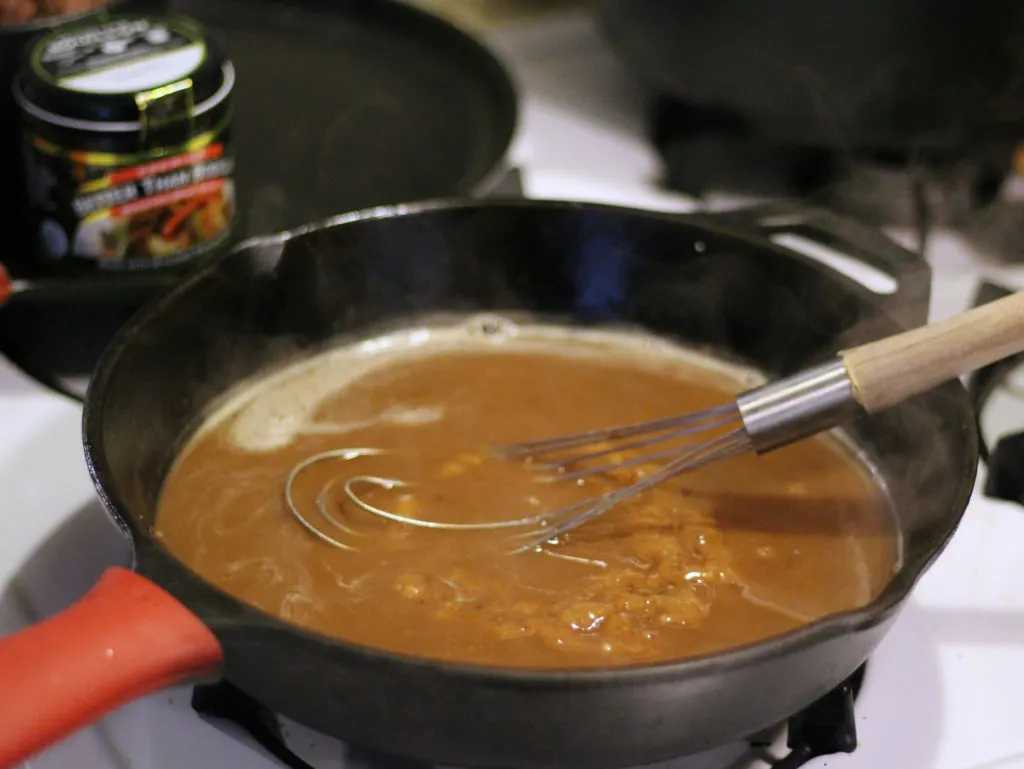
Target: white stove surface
{"type": "Point", "coordinates": [944, 691]}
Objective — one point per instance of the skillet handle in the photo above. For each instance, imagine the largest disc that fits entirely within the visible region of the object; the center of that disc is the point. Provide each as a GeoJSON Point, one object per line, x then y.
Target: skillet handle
{"type": "Point", "coordinates": [6, 285]}
{"type": "Point", "coordinates": [124, 639]}
{"type": "Point", "coordinates": [890, 370]}
{"type": "Point", "coordinates": [908, 305]}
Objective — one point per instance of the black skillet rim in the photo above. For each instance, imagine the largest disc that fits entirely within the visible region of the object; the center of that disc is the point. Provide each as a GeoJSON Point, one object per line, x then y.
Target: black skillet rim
{"type": "Point", "coordinates": [888, 602]}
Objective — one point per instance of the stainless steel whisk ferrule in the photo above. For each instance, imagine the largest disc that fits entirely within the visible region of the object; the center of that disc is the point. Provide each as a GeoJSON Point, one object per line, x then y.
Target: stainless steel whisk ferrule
{"type": "Point", "coordinates": [798, 406]}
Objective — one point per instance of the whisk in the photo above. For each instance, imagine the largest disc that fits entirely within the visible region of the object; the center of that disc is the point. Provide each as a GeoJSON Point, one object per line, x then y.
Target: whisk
{"type": "Point", "coordinates": [863, 380]}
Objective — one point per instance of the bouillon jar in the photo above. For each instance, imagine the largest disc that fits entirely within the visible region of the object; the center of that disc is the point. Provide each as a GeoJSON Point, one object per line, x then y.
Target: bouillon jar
{"type": "Point", "coordinates": [127, 144]}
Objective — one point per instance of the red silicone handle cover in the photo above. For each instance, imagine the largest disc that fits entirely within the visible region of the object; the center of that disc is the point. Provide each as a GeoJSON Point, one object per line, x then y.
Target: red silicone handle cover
{"type": "Point", "coordinates": [126, 638]}
{"type": "Point", "coordinates": [6, 286]}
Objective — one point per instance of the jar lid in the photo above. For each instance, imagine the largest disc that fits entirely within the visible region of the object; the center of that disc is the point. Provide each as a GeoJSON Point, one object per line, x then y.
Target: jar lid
{"type": "Point", "coordinates": [113, 74]}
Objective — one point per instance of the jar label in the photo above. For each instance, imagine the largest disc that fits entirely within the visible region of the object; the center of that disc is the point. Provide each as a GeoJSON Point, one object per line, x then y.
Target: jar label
{"type": "Point", "coordinates": [124, 212]}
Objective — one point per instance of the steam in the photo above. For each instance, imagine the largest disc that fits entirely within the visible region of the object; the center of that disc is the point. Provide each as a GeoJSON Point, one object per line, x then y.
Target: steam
{"type": "Point", "coordinates": [272, 414]}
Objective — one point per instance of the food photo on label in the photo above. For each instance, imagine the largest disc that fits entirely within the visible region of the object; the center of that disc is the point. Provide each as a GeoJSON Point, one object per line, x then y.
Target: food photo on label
{"type": "Point", "coordinates": [127, 143]}
{"type": "Point", "coordinates": [14, 12]}
{"type": "Point", "coordinates": [157, 210]}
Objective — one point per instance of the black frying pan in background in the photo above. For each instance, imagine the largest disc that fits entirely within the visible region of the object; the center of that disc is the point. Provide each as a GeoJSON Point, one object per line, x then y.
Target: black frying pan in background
{"type": "Point", "coordinates": [338, 106]}
{"type": "Point", "coordinates": [696, 278]}
{"type": "Point", "coordinates": [346, 105]}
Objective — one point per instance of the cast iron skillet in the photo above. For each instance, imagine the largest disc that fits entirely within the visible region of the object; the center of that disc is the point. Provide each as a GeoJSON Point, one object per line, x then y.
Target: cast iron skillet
{"type": "Point", "coordinates": [703, 280]}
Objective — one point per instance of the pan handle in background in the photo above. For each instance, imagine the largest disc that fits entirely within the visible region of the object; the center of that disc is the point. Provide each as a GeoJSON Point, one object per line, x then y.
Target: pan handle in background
{"type": "Point", "coordinates": [6, 285]}
{"type": "Point", "coordinates": [124, 639]}
{"type": "Point", "coordinates": [142, 286]}
{"type": "Point", "coordinates": [908, 304]}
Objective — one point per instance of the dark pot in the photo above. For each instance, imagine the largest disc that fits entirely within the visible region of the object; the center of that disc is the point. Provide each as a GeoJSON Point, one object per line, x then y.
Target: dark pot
{"type": "Point", "coordinates": [938, 75]}
{"type": "Point", "coordinates": [714, 282]}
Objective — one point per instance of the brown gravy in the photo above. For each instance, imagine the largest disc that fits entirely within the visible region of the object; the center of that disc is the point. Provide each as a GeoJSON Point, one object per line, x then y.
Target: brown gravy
{"type": "Point", "coordinates": [722, 557]}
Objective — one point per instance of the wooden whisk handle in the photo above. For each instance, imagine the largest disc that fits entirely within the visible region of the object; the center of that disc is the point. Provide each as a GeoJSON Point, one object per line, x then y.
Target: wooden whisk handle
{"type": "Point", "coordinates": [893, 369]}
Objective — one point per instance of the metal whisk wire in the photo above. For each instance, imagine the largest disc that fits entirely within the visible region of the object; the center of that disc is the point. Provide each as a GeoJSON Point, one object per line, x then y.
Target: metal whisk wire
{"type": "Point", "coordinates": [690, 423]}
{"type": "Point", "coordinates": [321, 497]}
{"type": "Point", "coordinates": [546, 526]}
{"type": "Point", "coordinates": [720, 448]}
{"type": "Point", "coordinates": [393, 483]}
{"type": "Point", "coordinates": [348, 487]}
{"type": "Point", "coordinates": [669, 428]}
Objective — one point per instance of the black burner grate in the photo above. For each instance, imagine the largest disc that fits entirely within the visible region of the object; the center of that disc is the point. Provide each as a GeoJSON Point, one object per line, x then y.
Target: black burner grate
{"type": "Point", "coordinates": [705, 151]}
{"type": "Point", "coordinates": [1005, 460]}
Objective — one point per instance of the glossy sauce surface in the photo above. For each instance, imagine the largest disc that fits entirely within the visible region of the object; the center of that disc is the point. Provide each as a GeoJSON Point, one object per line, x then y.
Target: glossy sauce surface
{"type": "Point", "coordinates": [724, 556]}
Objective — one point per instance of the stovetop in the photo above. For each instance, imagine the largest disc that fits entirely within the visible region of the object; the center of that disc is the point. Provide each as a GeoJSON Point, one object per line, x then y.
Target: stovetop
{"type": "Point", "coordinates": [945, 690]}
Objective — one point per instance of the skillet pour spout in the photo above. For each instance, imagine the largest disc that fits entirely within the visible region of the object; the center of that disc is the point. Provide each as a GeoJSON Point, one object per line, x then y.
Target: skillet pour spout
{"type": "Point", "coordinates": [718, 285]}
